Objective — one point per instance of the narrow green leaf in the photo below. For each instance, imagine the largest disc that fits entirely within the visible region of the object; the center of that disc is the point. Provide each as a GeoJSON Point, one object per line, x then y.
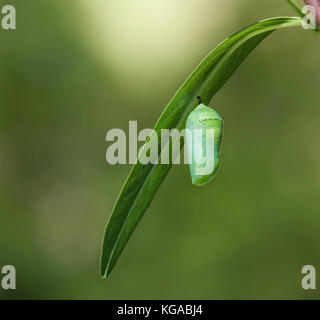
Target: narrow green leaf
{"type": "Point", "coordinates": [205, 81]}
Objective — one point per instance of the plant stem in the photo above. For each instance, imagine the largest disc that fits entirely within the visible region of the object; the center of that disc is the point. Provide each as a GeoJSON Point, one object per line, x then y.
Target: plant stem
{"type": "Point", "coordinates": [296, 7]}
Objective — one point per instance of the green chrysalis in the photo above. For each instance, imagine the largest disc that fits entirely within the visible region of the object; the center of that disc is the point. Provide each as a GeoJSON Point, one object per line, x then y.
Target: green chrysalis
{"type": "Point", "coordinates": [203, 138]}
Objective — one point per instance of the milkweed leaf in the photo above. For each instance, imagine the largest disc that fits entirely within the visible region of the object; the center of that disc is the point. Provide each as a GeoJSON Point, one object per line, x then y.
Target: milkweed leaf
{"type": "Point", "coordinates": [206, 80]}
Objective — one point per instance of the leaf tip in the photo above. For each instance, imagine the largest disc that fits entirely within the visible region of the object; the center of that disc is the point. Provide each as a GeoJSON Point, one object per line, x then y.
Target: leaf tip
{"type": "Point", "coordinates": [105, 267]}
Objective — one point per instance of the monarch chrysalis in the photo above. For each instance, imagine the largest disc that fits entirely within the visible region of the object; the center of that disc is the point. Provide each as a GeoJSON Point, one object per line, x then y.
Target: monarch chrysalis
{"type": "Point", "coordinates": [204, 134]}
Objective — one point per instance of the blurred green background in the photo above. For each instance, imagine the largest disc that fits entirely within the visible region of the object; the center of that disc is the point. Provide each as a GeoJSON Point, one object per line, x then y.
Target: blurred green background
{"type": "Point", "coordinates": [75, 69]}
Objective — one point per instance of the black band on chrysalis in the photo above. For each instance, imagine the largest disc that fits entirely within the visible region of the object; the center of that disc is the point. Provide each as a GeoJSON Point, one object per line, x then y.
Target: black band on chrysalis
{"type": "Point", "coordinates": [199, 99]}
